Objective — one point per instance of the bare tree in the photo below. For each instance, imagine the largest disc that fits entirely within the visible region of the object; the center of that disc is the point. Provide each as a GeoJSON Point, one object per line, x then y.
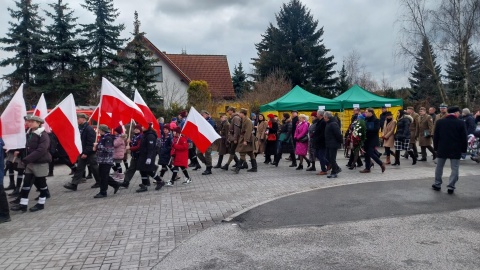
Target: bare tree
{"type": "Point", "coordinates": [366, 81]}
{"type": "Point", "coordinates": [416, 24]}
{"type": "Point", "coordinates": [353, 67]}
{"type": "Point", "coordinates": [458, 22]}
{"type": "Point", "coordinates": [172, 93]}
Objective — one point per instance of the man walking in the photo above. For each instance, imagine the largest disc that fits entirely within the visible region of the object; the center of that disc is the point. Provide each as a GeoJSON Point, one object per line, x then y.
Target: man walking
{"type": "Point", "coordinates": [245, 143]}
{"type": "Point", "coordinates": [333, 141]}
{"type": "Point", "coordinates": [233, 135]}
{"type": "Point", "coordinates": [449, 141]}
{"type": "Point", "coordinates": [88, 155]}
{"type": "Point", "coordinates": [319, 142]}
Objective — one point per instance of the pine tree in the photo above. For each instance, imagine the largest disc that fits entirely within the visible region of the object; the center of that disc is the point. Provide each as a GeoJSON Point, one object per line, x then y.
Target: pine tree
{"type": "Point", "coordinates": [102, 41]}
{"type": "Point", "coordinates": [342, 84]}
{"type": "Point", "coordinates": [239, 80]}
{"type": "Point", "coordinates": [25, 39]}
{"type": "Point", "coordinates": [457, 78]}
{"type": "Point", "coordinates": [422, 81]}
{"type": "Point", "coordinates": [295, 47]}
{"type": "Point", "coordinates": [138, 67]}
{"type": "Point", "coordinates": [68, 69]}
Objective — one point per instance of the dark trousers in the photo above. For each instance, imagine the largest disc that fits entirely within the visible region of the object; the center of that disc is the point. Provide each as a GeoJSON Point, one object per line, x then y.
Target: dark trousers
{"type": "Point", "coordinates": [369, 155]}
{"type": "Point", "coordinates": [105, 178]}
{"type": "Point", "coordinates": [91, 161]}
{"type": "Point", "coordinates": [321, 156]}
{"type": "Point", "coordinates": [331, 155]}
{"type": "Point", "coordinates": [175, 172]}
{"type": "Point", "coordinates": [424, 151]}
{"type": "Point", "coordinates": [270, 149]}
{"type": "Point", "coordinates": [39, 182]}
{"type": "Point", "coordinates": [131, 170]}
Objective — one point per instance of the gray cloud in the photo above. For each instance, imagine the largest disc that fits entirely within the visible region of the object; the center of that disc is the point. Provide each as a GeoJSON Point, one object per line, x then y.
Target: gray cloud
{"type": "Point", "coordinates": [233, 27]}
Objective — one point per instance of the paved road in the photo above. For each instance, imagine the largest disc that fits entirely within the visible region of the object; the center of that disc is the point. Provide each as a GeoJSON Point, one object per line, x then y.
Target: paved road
{"type": "Point", "coordinates": [381, 225]}
{"type": "Point", "coordinates": [360, 202]}
{"type": "Point", "coordinates": [136, 231]}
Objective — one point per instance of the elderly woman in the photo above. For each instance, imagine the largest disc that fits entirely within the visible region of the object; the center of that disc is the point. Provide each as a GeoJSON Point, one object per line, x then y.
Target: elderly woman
{"type": "Point", "coordinates": [301, 137]}
{"type": "Point", "coordinates": [388, 135]}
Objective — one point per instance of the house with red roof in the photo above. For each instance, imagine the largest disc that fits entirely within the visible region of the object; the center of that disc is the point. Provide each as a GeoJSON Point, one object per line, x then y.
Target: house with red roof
{"type": "Point", "coordinates": [176, 71]}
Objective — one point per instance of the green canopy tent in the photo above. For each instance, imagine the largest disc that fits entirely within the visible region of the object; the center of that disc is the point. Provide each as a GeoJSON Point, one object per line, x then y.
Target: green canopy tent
{"type": "Point", "coordinates": [356, 96]}
{"type": "Point", "coordinates": [301, 100]}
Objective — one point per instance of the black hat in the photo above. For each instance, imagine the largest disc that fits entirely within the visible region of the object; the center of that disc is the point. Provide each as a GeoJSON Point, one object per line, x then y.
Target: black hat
{"type": "Point", "coordinates": [453, 109]}
{"type": "Point", "coordinates": [388, 113]}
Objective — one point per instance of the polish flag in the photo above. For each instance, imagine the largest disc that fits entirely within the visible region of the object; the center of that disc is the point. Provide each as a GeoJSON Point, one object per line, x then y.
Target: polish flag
{"type": "Point", "coordinates": [63, 122]}
{"type": "Point", "coordinates": [106, 118]}
{"type": "Point", "coordinates": [198, 130]}
{"type": "Point", "coordinates": [122, 108]}
{"type": "Point", "coordinates": [42, 111]}
{"type": "Point", "coordinates": [148, 115]}
{"type": "Point", "coordinates": [12, 122]}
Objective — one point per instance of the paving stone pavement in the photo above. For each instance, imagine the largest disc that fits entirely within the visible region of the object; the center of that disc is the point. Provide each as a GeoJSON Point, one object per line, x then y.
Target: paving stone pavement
{"type": "Point", "coordinates": [135, 231]}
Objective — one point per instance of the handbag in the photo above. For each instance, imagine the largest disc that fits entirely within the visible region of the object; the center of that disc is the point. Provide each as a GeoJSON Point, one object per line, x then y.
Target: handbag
{"type": "Point", "coordinates": [304, 138]}
{"type": "Point", "coordinates": [426, 133]}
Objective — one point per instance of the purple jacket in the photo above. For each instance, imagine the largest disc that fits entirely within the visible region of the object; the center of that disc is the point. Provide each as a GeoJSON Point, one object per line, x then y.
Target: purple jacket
{"type": "Point", "coordinates": [119, 147]}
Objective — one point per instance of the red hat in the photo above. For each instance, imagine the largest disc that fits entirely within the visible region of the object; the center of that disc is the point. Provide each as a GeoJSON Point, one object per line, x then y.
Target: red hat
{"type": "Point", "coordinates": [314, 114]}
{"type": "Point", "coordinates": [119, 129]}
{"type": "Point", "coordinates": [167, 126]}
{"type": "Point", "coordinates": [271, 115]}
{"type": "Point", "coordinates": [178, 129]}
{"type": "Point", "coordinates": [183, 114]}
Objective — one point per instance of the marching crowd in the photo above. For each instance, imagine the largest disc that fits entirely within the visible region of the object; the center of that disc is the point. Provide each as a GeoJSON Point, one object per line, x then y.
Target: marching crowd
{"type": "Point", "coordinates": [306, 142]}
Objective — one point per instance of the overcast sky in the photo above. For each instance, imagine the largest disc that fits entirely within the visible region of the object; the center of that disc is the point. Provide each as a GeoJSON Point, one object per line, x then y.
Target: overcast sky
{"type": "Point", "coordinates": [232, 27]}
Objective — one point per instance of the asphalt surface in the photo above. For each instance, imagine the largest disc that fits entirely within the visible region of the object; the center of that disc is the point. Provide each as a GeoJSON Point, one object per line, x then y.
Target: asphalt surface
{"type": "Point", "coordinates": [361, 201]}
{"type": "Point", "coordinates": [379, 225]}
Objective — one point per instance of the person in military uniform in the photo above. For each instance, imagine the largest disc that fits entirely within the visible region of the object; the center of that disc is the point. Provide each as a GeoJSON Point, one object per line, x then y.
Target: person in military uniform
{"type": "Point", "coordinates": [443, 112]}
{"type": "Point", "coordinates": [233, 135]}
{"type": "Point", "coordinates": [425, 130]}
{"type": "Point", "coordinates": [206, 157]}
{"type": "Point", "coordinates": [245, 142]}
{"type": "Point", "coordinates": [222, 143]}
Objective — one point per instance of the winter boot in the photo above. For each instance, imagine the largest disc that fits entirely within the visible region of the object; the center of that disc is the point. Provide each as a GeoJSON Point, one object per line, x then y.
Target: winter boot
{"type": "Point", "coordinates": [207, 171]}
{"type": "Point", "coordinates": [397, 158]}
{"type": "Point", "coordinates": [412, 154]}
{"type": "Point", "coordinates": [239, 166]}
{"type": "Point", "coordinates": [312, 167]}
{"type": "Point", "coordinates": [254, 166]}
{"type": "Point", "coordinates": [235, 158]}
{"type": "Point", "coordinates": [219, 163]}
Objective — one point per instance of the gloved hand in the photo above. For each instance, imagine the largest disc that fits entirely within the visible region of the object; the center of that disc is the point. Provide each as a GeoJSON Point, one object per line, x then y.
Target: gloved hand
{"type": "Point", "coordinates": [148, 161]}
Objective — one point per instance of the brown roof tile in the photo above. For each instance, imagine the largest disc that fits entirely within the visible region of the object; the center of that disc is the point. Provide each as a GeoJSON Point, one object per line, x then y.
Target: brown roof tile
{"type": "Point", "coordinates": [211, 68]}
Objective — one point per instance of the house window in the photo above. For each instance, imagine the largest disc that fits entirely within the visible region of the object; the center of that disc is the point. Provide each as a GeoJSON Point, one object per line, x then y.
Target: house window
{"type": "Point", "coordinates": [157, 70]}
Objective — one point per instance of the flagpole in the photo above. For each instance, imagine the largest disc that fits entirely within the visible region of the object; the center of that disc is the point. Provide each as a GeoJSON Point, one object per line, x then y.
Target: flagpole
{"type": "Point", "coordinates": [99, 115]}
{"type": "Point", "coordinates": [130, 129]}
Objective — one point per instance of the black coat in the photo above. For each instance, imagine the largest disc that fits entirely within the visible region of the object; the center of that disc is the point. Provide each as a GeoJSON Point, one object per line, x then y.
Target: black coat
{"type": "Point", "coordinates": [383, 116]}
{"type": "Point", "coordinates": [450, 137]}
{"type": "Point", "coordinates": [373, 127]}
{"type": "Point", "coordinates": [403, 129]}
{"type": "Point", "coordinates": [319, 135]}
{"type": "Point", "coordinates": [294, 124]}
{"type": "Point", "coordinates": [469, 123]}
{"type": "Point", "coordinates": [87, 136]}
{"type": "Point", "coordinates": [38, 147]}
{"type": "Point", "coordinates": [333, 135]}
{"type": "Point", "coordinates": [147, 151]}
{"type": "Point", "coordinates": [164, 149]}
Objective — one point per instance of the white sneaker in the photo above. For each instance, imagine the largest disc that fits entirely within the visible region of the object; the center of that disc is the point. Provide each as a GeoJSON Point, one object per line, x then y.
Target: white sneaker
{"type": "Point", "coordinates": [187, 181]}
{"type": "Point", "coordinates": [169, 184]}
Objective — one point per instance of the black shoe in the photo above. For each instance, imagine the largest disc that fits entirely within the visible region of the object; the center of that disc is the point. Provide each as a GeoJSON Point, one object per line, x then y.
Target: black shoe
{"type": "Point", "coordinates": [50, 174]}
{"type": "Point", "coordinates": [4, 218]}
{"type": "Point", "coordinates": [16, 201]}
{"type": "Point", "coordinates": [37, 207]}
{"type": "Point", "coordinates": [275, 163]}
{"type": "Point", "coordinates": [300, 167]}
{"type": "Point", "coordinates": [71, 187]}
{"type": "Point", "coordinates": [95, 186]}
{"type": "Point", "coordinates": [99, 196]}
{"type": "Point", "coordinates": [89, 176]}
{"type": "Point", "coordinates": [116, 188]}
{"type": "Point", "coordinates": [333, 175]}
{"type": "Point", "coordinates": [125, 184]}
{"type": "Point", "coordinates": [207, 172]}
{"type": "Point", "coordinates": [436, 188]}
{"type": "Point", "coordinates": [142, 188]}
{"type": "Point", "coordinates": [19, 207]}
{"type": "Point", "coordinates": [422, 159]}
{"type": "Point", "coordinates": [450, 191]}
{"type": "Point", "coordinates": [159, 185]}
{"type": "Point", "coordinates": [225, 167]}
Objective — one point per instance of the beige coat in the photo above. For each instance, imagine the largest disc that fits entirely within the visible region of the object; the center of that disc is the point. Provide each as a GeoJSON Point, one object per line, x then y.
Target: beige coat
{"type": "Point", "coordinates": [388, 133]}
{"type": "Point", "coordinates": [425, 123]}
{"type": "Point", "coordinates": [261, 136]}
{"type": "Point", "coordinates": [414, 127]}
{"type": "Point", "coordinates": [246, 135]}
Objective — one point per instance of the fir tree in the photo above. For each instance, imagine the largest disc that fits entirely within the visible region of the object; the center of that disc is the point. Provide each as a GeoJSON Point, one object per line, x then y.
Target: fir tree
{"type": "Point", "coordinates": [342, 84]}
{"type": "Point", "coordinates": [25, 39]}
{"type": "Point", "coordinates": [68, 69]}
{"type": "Point", "coordinates": [423, 84]}
{"type": "Point", "coordinates": [138, 67]}
{"type": "Point", "coordinates": [102, 41]}
{"type": "Point", "coordinates": [295, 46]}
{"type": "Point", "coordinates": [457, 78]}
{"type": "Point", "coordinates": [239, 80]}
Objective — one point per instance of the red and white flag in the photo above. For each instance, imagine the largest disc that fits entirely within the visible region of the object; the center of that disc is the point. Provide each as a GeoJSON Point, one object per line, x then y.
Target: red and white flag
{"type": "Point", "coordinates": [198, 130]}
{"type": "Point", "coordinates": [63, 122]}
{"type": "Point", "coordinates": [122, 109]}
{"type": "Point", "coordinates": [148, 115]}
{"type": "Point", "coordinates": [42, 111]}
{"type": "Point", "coordinates": [12, 122]}
{"type": "Point", "coordinates": [106, 119]}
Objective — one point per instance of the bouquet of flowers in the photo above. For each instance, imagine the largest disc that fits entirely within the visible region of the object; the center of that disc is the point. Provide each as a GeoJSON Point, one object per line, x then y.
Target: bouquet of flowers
{"type": "Point", "coordinates": [358, 134]}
